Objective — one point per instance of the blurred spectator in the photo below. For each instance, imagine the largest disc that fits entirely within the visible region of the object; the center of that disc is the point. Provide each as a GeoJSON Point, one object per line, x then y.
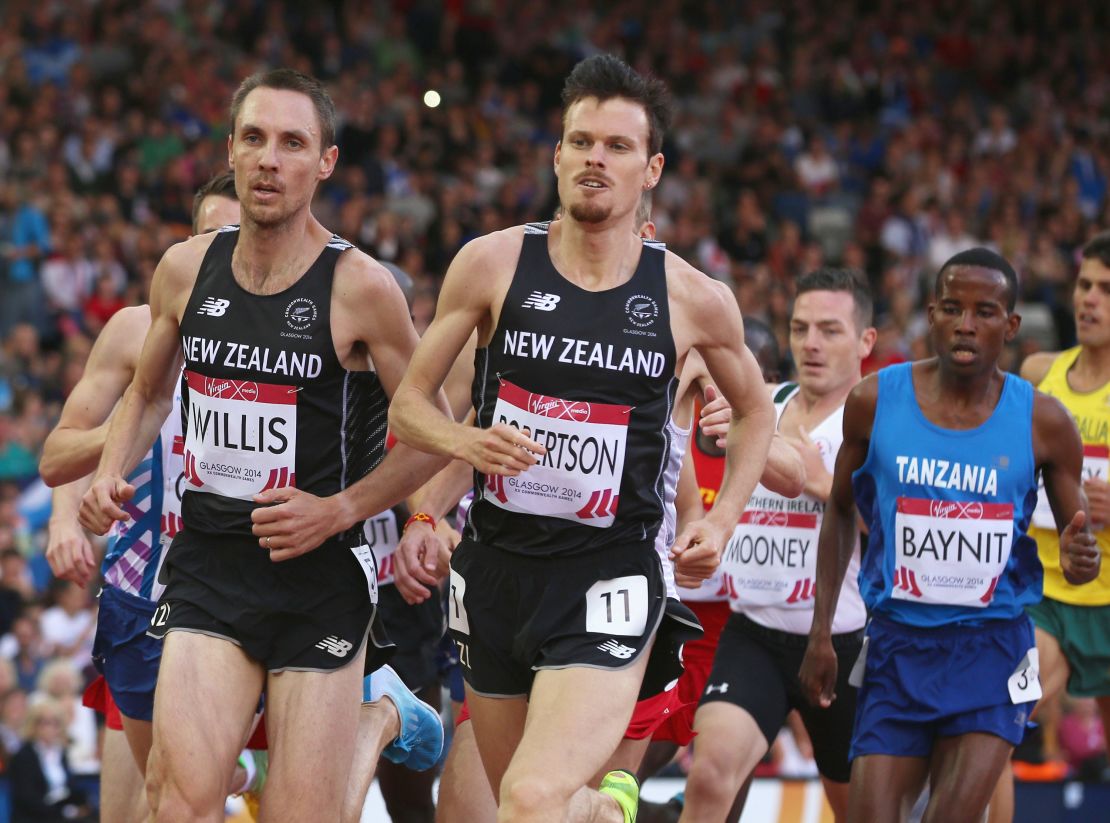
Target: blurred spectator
{"type": "Point", "coordinates": [1082, 741]}
{"type": "Point", "coordinates": [25, 648]}
{"type": "Point", "coordinates": [13, 715]}
{"type": "Point", "coordinates": [68, 626]}
{"type": "Point", "coordinates": [43, 789]}
{"type": "Point", "coordinates": [61, 683]}
{"type": "Point", "coordinates": [27, 242]}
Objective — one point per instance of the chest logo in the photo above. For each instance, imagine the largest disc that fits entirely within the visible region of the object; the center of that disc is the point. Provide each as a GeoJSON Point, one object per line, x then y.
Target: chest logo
{"type": "Point", "coordinates": [541, 301]}
{"type": "Point", "coordinates": [641, 310]}
{"type": "Point", "coordinates": [214, 306]}
{"type": "Point", "coordinates": [300, 314]}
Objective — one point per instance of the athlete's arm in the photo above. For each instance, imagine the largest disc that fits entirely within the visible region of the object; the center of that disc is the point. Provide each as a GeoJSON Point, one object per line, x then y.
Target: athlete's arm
{"type": "Point", "coordinates": [147, 401]}
{"type": "Point", "coordinates": [836, 544]}
{"type": "Point", "coordinates": [475, 283]}
{"type": "Point", "coordinates": [1035, 367]}
{"type": "Point", "coordinates": [73, 448]}
{"type": "Point", "coordinates": [705, 313]}
{"type": "Point", "coordinates": [818, 481]}
{"type": "Point", "coordinates": [68, 550]}
{"type": "Point", "coordinates": [1058, 452]}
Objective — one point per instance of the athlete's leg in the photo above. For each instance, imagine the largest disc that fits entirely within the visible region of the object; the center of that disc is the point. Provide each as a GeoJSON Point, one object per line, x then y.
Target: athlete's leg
{"type": "Point", "coordinates": [884, 787]}
{"type": "Point", "coordinates": [140, 737]}
{"type": "Point", "coordinates": [628, 755]}
{"type": "Point", "coordinates": [655, 759]}
{"type": "Point", "coordinates": [965, 770]}
{"type": "Point", "coordinates": [408, 793]}
{"type": "Point", "coordinates": [837, 795]}
{"type": "Point", "coordinates": [207, 693]}
{"type": "Point", "coordinates": [122, 795]}
{"type": "Point", "coordinates": [575, 720]}
{"type": "Point", "coordinates": [1104, 710]}
{"type": "Point", "coordinates": [377, 725]}
{"type": "Point", "coordinates": [728, 747]}
{"type": "Point", "coordinates": [312, 724]}
{"type": "Point", "coordinates": [464, 792]}
{"type": "Point", "coordinates": [498, 724]}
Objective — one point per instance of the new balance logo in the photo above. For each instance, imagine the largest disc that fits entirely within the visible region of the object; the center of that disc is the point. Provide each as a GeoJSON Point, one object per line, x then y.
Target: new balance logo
{"type": "Point", "coordinates": [214, 306]}
{"type": "Point", "coordinates": [333, 645]}
{"type": "Point", "coordinates": [541, 300]}
{"type": "Point", "coordinates": [617, 650]}
{"type": "Point", "coordinates": [723, 689]}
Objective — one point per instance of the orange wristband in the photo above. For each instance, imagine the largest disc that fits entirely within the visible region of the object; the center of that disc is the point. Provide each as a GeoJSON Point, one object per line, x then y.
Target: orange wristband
{"type": "Point", "coordinates": [419, 517]}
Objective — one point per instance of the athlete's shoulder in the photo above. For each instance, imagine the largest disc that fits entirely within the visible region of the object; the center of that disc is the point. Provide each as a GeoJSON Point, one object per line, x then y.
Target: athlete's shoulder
{"type": "Point", "coordinates": [863, 398]}
{"type": "Point", "coordinates": [125, 330]}
{"type": "Point", "coordinates": [497, 247]}
{"type": "Point", "coordinates": [357, 274]}
{"type": "Point", "coordinates": [183, 259]}
{"type": "Point", "coordinates": [1049, 412]}
{"type": "Point", "coordinates": [685, 283]}
{"type": "Point", "coordinates": [1035, 367]}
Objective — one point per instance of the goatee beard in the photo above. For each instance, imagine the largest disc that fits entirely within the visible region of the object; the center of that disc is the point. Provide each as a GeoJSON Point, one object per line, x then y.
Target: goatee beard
{"type": "Point", "coordinates": [589, 213]}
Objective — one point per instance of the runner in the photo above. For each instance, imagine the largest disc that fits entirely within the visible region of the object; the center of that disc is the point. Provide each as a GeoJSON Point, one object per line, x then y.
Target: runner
{"type": "Point", "coordinates": [557, 591]}
{"type": "Point", "coordinates": [770, 567]}
{"type": "Point", "coordinates": [292, 343]}
{"type": "Point", "coordinates": [943, 456]}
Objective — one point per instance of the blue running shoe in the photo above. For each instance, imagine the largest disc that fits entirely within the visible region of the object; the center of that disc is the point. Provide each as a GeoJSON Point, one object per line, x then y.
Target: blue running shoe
{"type": "Point", "coordinates": [420, 742]}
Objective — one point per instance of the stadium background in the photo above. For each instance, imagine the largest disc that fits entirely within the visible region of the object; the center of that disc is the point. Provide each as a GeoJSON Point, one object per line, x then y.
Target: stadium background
{"type": "Point", "coordinates": [880, 135]}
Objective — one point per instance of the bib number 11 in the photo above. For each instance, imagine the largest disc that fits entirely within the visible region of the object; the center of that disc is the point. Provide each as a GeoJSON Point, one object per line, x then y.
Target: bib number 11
{"type": "Point", "coordinates": [618, 606]}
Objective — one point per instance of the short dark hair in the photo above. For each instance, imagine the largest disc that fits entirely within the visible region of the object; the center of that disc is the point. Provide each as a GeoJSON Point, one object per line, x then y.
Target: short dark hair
{"type": "Point", "coordinates": [643, 208]}
{"type": "Point", "coordinates": [291, 80]}
{"type": "Point", "coordinates": [605, 76]}
{"type": "Point", "coordinates": [831, 278]}
{"type": "Point", "coordinates": [981, 257]}
{"type": "Point", "coordinates": [762, 343]}
{"type": "Point", "coordinates": [1098, 248]}
{"type": "Point", "coordinates": [222, 185]}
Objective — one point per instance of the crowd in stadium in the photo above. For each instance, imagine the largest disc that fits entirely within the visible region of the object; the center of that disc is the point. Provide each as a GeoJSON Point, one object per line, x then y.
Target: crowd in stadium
{"type": "Point", "coordinates": [880, 136]}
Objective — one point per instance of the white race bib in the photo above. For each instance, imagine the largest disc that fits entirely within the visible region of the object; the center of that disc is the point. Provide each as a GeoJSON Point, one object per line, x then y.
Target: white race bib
{"type": "Point", "coordinates": [950, 552]}
{"type": "Point", "coordinates": [457, 618]}
{"type": "Point", "coordinates": [1096, 459]}
{"type": "Point", "coordinates": [382, 535]}
{"type": "Point", "coordinates": [365, 559]}
{"type": "Point", "coordinates": [579, 478]}
{"type": "Point", "coordinates": [241, 436]}
{"type": "Point", "coordinates": [1025, 683]}
{"type": "Point", "coordinates": [618, 606]}
{"type": "Point", "coordinates": [771, 559]}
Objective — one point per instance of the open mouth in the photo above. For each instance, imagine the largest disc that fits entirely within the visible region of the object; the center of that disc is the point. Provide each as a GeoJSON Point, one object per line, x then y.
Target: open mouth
{"type": "Point", "coordinates": [592, 183]}
{"type": "Point", "coordinates": [964, 353]}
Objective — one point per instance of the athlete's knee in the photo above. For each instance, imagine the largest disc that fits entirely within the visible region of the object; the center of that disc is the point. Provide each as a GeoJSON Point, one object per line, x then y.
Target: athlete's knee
{"type": "Point", "coordinates": [174, 797]}
{"type": "Point", "coordinates": [712, 779]}
{"type": "Point", "coordinates": [531, 796]}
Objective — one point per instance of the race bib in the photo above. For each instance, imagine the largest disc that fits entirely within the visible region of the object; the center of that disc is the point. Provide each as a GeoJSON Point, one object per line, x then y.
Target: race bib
{"type": "Point", "coordinates": [771, 559]}
{"type": "Point", "coordinates": [241, 436]}
{"type": "Point", "coordinates": [382, 535]}
{"type": "Point", "coordinates": [579, 478]}
{"type": "Point", "coordinates": [1025, 683]}
{"type": "Point", "coordinates": [1096, 459]}
{"type": "Point", "coordinates": [618, 606]}
{"type": "Point", "coordinates": [457, 618]}
{"type": "Point", "coordinates": [365, 559]}
{"type": "Point", "coordinates": [950, 552]}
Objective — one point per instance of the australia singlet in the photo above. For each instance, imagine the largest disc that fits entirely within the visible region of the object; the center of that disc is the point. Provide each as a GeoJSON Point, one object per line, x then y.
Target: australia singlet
{"type": "Point", "coordinates": [136, 548]}
{"type": "Point", "coordinates": [770, 561]}
{"type": "Point", "coordinates": [948, 510]}
{"type": "Point", "coordinates": [709, 469]}
{"type": "Point", "coordinates": [592, 376]}
{"type": "Point", "coordinates": [1091, 411]}
{"type": "Point", "coordinates": [266, 402]}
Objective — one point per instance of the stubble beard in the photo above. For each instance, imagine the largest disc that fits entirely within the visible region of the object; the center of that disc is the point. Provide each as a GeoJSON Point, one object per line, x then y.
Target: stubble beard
{"type": "Point", "coordinates": [589, 212]}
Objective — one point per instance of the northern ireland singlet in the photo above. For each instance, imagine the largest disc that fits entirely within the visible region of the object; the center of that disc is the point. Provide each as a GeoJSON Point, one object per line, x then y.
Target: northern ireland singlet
{"type": "Point", "coordinates": [948, 510]}
{"type": "Point", "coordinates": [709, 469]}
{"type": "Point", "coordinates": [266, 403]}
{"type": "Point", "coordinates": [1091, 412]}
{"type": "Point", "coordinates": [592, 376]}
{"type": "Point", "coordinates": [136, 548]}
{"type": "Point", "coordinates": [770, 561]}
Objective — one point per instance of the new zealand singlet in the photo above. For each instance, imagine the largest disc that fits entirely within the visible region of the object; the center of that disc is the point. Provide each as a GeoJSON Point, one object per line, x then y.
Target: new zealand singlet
{"type": "Point", "coordinates": [592, 376]}
{"type": "Point", "coordinates": [1091, 411]}
{"type": "Point", "coordinates": [948, 510]}
{"type": "Point", "coordinates": [266, 403]}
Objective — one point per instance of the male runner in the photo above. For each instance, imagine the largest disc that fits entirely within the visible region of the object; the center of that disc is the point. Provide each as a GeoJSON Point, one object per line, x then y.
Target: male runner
{"type": "Point", "coordinates": [770, 569]}
{"type": "Point", "coordinates": [1073, 624]}
{"type": "Point", "coordinates": [942, 456]}
{"type": "Point", "coordinates": [556, 590]}
{"type": "Point", "coordinates": [292, 341]}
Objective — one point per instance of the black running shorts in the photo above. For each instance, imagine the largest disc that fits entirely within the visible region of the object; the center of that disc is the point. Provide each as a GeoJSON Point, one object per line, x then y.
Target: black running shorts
{"type": "Point", "coordinates": [756, 668]}
{"type": "Point", "coordinates": [513, 615]}
{"type": "Point", "coordinates": [416, 631]}
{"type": "Point", "coordinates": [310, 613]}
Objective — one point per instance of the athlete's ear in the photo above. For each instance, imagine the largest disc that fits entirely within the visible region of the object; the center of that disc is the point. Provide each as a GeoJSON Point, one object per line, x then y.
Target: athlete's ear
{"type": "Point", "coordinates": [558, 154]}
{"type": "Point", "coordinates": [867, 341]}
{"type": "Point", "coordinates": [327, 162]}
{"type": "Point", "coordinates": [653, 171]}
{"type": "Point", "coordinates": [1013, 323]}
{"type": "Point", "coordinates": [230, 157]}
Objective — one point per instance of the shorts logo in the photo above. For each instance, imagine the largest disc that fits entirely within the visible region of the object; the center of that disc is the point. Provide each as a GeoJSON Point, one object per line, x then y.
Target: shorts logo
{"type": "Point", "coordinates": [333, 645]}
{"type": "Point", "coordinates": [161, 614]}
{"type": "Point", "coordinates": [214, 306]}
{"type": "Point", "coordinates": [641, 310]}
{"type": "Point", "coordinates": [300, 314]}
{"type": "Point", "coordinates": [619, 651]}
{"type": "Point", "coordinates": [542, 301]}
{"type": "Point", "coordinates": [723, 689]}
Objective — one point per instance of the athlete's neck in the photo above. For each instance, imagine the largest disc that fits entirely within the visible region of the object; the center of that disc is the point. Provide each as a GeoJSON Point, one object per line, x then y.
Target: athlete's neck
{"type": "Point", "coordinates": [817, 407]}
{"type": "Point", "coordinates": [269, 259]}
{"type": "Point", "coordinates": [1091, 369]}
{"type": "Point", "coordinates": [964, 393]}
{"type": "Point", "coordinates": [594, 258]}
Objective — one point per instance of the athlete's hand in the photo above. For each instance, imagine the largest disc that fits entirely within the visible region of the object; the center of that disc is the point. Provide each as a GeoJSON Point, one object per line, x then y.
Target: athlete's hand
{"type": "Point", "coordinates": [685, 581]}
{"type": "Point", "coordinates": [290, 522]}
{"type": "Point", "coordinates": [1080, 557]}
{"type": "Point", "coordinates": [716, 416]}
{"type": "Point", "coordinates": [500, 449]}
{"type": "Point", "coordinates": [1098, 502]}
{"type": "Point", "coordinates": [449, 540]}
{"type": "Point", "coordinates": [697, 551]}
{"type": "Point", "coordinates": [69, 552]}
{"type": "Point", "coordinates": [818, 672]}
{"type": "Point", "coordinates": [101, 505]}
{"type": "Point", "coordinates": [415, 562]}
